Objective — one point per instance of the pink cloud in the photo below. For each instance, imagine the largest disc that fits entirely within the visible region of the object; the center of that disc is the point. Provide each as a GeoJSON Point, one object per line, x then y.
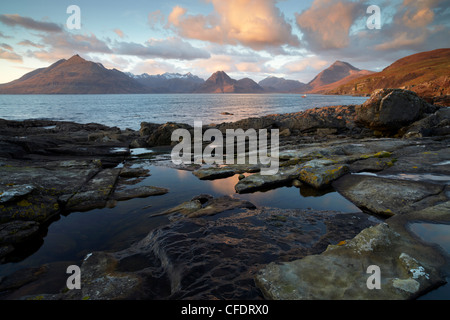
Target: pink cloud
{"type": "Point", "coordinates": [257, 24]}
{"type": "Point", "coordinates": [326, 24]}
{"type": "Point", "coordinates": [10, 55]}
{"type": "Point", "coordinates": [119, 33]}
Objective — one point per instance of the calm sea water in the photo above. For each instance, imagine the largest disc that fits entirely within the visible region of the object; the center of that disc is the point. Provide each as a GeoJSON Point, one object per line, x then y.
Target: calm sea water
{"type": "Point", "coordinates": [128, 111]}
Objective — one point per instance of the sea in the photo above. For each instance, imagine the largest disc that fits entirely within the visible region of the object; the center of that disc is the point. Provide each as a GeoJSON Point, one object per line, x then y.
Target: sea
{"type": "Point", "coordinates": [128, 111]}
{"type": "Point", "coordinates": [72, 237]}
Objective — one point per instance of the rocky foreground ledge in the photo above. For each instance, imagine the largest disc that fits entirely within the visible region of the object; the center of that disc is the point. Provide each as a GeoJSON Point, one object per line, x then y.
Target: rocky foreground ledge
{"type": "Point", "coordinates": [389, 156]}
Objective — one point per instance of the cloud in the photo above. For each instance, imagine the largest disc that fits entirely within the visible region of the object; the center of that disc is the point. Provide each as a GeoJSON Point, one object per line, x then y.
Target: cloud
{"type": "Point", "coordinates": [257, 24]}
{"type": "Point", "coordinates": [6, 46]}
{"type": "Point", "coordinates": [155, 18]}
{"type": "Point", "coordinates": [326, 24]}
{"type": "Point", "coordinates": [64, 45]}
{"type": "Point", "coordinates": [30, 44]}
{"type": "Point", "coordinates": [171, 48]}
{"type": "Point", "coordinates": [119, 33]}
{"type": "Point", "coordinates": [10, 55]}
{"type": "Point", "coordinates": [152, 66]}
{"type": "Point", "coordinates": [2, 35]}
{"type": "Point", "coordinates": [29, 23]}
{"type": "Point", "coordinates": [215, 63]}
{"type": "Point", "coordinates": [417, 25]}
{"type": "Point", "coordinates": [315, 63]}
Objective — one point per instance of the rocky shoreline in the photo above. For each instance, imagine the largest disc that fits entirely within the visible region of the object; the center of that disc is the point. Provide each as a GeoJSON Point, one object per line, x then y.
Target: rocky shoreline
{"type": "Point", "coordinates": [389, 156]}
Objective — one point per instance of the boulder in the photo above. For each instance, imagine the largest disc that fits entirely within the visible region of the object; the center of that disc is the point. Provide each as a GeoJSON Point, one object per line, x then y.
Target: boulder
{"type": "Point", "coordinates": [436, 124]}
{"type": "Point", "coordinates": [388, 110]}
{"type": "Point", "coordinates": [162, 136]}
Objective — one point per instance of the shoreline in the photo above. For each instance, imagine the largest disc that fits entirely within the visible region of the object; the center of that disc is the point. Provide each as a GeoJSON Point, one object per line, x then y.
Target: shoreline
{"type": "Point", "coordinates": [318, 147]}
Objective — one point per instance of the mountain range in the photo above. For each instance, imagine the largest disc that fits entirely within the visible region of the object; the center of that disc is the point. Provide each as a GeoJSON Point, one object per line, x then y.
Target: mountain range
{"type": "Point", "coordinates": [426, 73]}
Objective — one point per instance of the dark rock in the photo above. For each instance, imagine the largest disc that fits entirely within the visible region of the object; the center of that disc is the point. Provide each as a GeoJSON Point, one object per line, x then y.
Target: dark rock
{"type": "Point", "coordinates": [388, 110]}
{"type": "Point", "coordinates": [436, 124]}
{"type": "Point", "coordinates": [147, 128]}
{"type": "Point", "coordinates": [162, 136]}
{"type": "Point", "coordinates": [17, 231]}
{"type": "Point", "coordinates": [214, 173]}
{"type": "Point", "coordinates": [138, 192]}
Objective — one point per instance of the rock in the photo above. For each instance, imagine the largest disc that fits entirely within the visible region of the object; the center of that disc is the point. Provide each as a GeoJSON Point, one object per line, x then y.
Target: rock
{"type": "Point", "coordinates": [258, 181]}
{"type": "Point", "coordinates": [148, 128]}
{"type": "Point", "coordinates": [162, 136]}
{"type": "Point", "coordinates": [17, 231]}
{"type": "Point", "coordinates": [436, 124]}
{"type": "Point", "coordinates": [128, 172]}
{"type": "Point", "coordinates": [214, 173]}
{"type": "Point", "coordinates": [387, 196]}
{"type": "Point", "coordinates": [99, 281]}
{"type": "Point", "coordinates": [322, 132]}
{"type": "Point", "coordinates": [388, 110]}
{"type": "Point", "coordinates": [95, 193]}
{"type": "Point", "coordinates": [14, 192]}
{"type": "Point", "coordinates": [138, 143]}
{"type": "Point", "coordinates": [323, 177]}
{"type": "Point", "coordinates": [138, 192]}
{"type": "Point", "coordinates": [339, 273]}
{"type": "Point", "coordinates": [206, 205]}
{"type": "Point", "coordinates": [285, 133]}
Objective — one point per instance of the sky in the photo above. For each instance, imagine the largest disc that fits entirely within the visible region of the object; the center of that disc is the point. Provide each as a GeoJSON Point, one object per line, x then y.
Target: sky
{"type": "Point", "coordinates": [292, 39]}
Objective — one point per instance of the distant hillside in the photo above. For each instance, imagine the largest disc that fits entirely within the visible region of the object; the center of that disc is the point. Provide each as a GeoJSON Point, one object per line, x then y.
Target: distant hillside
{"type": "Point", "coordinates": [274, 84]}
{"type": "Point", "coordinates": [337, 74]}
{"type": "Point", "coordinates": [169, 82]}
{"type": "Point", "coordinates": [73, 76]}
{"type": "Point", "coordinates": [220, 82]}
{"type": "Point", "coordinates": [426, 73]}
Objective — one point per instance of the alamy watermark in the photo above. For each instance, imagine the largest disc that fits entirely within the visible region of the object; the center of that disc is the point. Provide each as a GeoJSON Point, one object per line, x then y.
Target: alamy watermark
{"type": "Point", "coordinates": [74, 20]}
{"type": "Point", "coordinates": [374, 21]}
{"type": "Point", "coordinates": [374, 281]}
{"type": "Point", "coordinates": [73, 281]}
{"type": "Point", "coordinates": [190, 150]}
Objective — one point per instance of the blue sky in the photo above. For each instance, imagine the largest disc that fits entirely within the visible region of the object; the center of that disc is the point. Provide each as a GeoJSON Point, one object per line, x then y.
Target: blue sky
{"type": "Point", "coordinates": [246, 38]}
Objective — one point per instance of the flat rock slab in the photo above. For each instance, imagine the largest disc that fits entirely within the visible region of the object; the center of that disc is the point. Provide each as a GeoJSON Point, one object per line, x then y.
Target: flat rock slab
{"type": "Point", "coordinates": [17, 231]}
{"type": "Point", "coordinates": [407, 270]}
{"type": "Point", "coordinates": [320, 178]}
{"type": "Point", "coordinates": [259, 181]}
{"type": "Point", "coordinates": [387, 196]}
{"type": "Point", "coordinates": [138, 192]}
{"type": "Point", "coordinates": [206, 205]}
{"type": "Point", "coordinates": [95, 193]}
{"type": "Point", "coordinates": [214, 173]}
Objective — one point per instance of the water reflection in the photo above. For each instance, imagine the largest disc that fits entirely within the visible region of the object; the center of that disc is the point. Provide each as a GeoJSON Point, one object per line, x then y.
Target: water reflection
{"type": "Point", "coordinates": [111, 229]}
{"type": "Point", "coordinates": [436, 234]}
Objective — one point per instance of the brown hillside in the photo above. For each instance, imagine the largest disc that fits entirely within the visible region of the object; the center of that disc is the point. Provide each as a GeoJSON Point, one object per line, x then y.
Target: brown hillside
{"type": "Point", "coordinates": [426, 73]}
